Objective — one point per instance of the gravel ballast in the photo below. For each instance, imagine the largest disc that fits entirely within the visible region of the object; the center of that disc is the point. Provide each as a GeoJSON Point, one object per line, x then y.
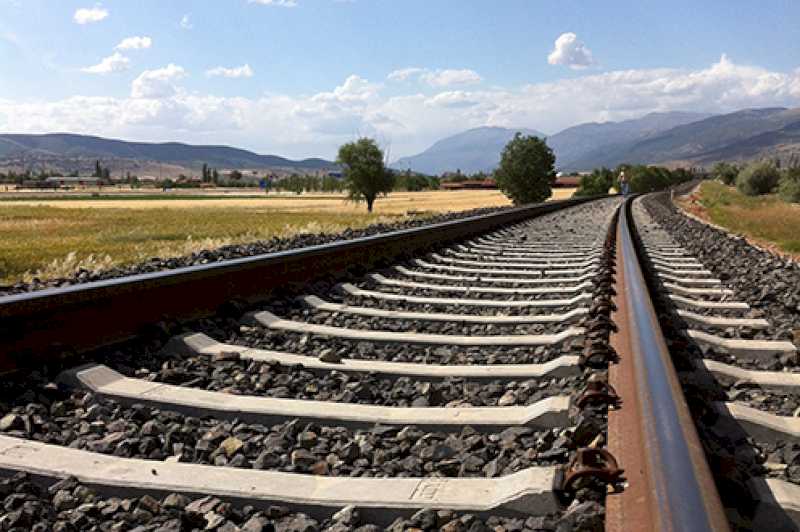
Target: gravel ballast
{"type": "Point", "coordinates": [768, 283]}
{"type": "Point", "coordinates": [69, 506]}
{"type": "Point", "coordinates": [760, 280]}
{"type": "Point", "coordinates": [86, 422]}
{"type": "Point", "coordinates": [230, 374]}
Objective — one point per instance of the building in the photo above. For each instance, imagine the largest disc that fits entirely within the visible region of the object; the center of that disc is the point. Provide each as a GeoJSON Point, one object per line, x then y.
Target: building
{"type": "Point", "coordinates": [70, 181]}
{"type": "Point", "coordinates": [567, 181]}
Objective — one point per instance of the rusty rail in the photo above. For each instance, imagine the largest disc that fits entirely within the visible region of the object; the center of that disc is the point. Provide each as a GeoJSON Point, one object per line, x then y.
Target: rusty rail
{"type": "Point", "coordinates": [39, 327]}
{"type": "Point", "coordinates": [669, 484]}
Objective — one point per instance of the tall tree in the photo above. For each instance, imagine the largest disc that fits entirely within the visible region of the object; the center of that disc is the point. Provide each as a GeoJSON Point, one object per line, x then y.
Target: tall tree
{"type": "Point", "coordinates": [527, 170]}
{"type": "Point", "coordinates": [365, 173]}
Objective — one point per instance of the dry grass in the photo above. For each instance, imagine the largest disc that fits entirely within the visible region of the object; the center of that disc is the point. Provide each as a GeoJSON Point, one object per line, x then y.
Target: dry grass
{"type": "Point", "coordinates": [48, 242]}
{"type": "Point", "coordinates": [766, 220]}
{"type": "Point", "coordinates": [55, 237]}
{"type": "Point", "coordinates": [395, 203]}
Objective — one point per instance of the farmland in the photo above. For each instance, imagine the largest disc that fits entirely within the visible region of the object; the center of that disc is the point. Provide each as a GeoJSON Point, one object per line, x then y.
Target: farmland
{"type": "Point", "coordinates": [54, 235]}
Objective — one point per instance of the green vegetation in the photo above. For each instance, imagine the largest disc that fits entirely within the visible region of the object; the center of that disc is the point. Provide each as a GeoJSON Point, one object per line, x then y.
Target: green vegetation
{"type": "Point", "coordinates": [414, 181]}
{"type": "Point", "coordinates": [758, 178]}
{"type": "Point", "coordinates": [365, 172]}
{"type": "Point", "coordinates": [597, 183]}
{"type": "Point", "coordinates": [642, 179]}
{"type": "Point", "coordinates": [645, 179]}
{"type": "Point", "coordinates": [526, 170]}
{"type": "Point", "coordinates": [789, 185]}
{"type": "Point", "coordinates": [51, 242]}
{"type": "Point", "coordinates": [763, 218]}
{"type": "Point", "coordinates": [725, 172]}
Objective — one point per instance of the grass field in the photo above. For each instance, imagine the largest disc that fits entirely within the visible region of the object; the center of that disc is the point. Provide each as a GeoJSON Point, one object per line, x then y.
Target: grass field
{"type": "Point", "coordinates": [52, 237]}
{"type": "Point", "coordinates": [766, 220]}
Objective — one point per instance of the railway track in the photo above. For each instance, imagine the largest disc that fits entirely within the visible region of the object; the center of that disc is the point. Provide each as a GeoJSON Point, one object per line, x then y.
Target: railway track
{"type": "Point", "coordinates": [507, 372]}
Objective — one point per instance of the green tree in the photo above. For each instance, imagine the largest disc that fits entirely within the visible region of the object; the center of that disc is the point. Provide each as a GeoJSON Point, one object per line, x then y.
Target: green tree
{"type": "Point", "coordinates": [758, 178]}
{"type": "Point", "coordinates": [595, 184]}
{"type": "Point", "coordinates": [789, 185]}
{"type": "Point", "coordinates": [526, 170]}
{"type": "Point", "coordinates": [725, 172]}
{"type": "Point", "coordinates": [365, 173]}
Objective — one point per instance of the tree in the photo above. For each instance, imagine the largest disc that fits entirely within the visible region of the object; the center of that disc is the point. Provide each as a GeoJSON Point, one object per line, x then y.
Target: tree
{"type": "Point", "coordinates": [758, 178]}
{"type": "Point", "coordinates": [725, 172]}
{"type": "Point", "coordinates": [526, 170]}
{"type": "Point", "coordinates": [206, 173]}
{"type": "Point", "coordinates": [595, 184]}
{"type": "Point", "coordinates": [789, 185]}
{"type": "Point", "coordinates": [365, 173]}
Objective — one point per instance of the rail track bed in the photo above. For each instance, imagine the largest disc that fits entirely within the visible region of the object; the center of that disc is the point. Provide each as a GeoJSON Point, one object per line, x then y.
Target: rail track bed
{"type": "Point", "coordinates": [739, 363]}
{"type": "Point", "coordinates": [505, 372]}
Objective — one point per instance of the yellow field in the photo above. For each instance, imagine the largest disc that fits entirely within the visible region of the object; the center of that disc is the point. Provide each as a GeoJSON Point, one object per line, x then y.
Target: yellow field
{"type": "Point", "coordinates": [395, 203]}
{"type": "Point", "coordinates": [56, 236]}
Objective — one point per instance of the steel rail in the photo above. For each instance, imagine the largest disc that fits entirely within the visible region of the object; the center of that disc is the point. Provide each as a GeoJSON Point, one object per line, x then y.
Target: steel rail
{"type": "Point", "coordinates": [37, 326]}
{"type": "Point", "coordinates": [669, 483]}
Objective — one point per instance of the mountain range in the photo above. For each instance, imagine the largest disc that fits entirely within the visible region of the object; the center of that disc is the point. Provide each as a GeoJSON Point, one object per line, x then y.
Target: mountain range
{"type": "Point", "coordinates": [64, 146]}
{"type": "Point", "coordinates": [672, 138]}
{"type": "Point", "coordinates": [472, 151]}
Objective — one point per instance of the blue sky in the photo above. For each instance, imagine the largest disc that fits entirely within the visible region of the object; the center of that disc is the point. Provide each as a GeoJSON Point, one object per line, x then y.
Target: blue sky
{"type": "Point", "coordinates": [299, 77]}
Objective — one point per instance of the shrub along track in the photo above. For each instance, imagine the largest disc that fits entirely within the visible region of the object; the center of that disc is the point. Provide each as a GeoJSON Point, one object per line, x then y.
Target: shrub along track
{"type": "Point", "coordinates": [453, 377]}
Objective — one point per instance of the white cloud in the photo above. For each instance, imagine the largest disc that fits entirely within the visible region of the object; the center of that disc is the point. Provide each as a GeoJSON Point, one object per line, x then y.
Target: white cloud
{"type": "Point", "coordinates": [452, 99]}
{"type": "Point", "coordinates": [280, 3]}
{"type": "Point", "coordinates": [186, 22]}
{"type": "Point", "coordinates": [571, 52]}
{"type": "Point", "coordinates": [87, 15]}
{"type": "Point", "coordinates": [113, 63]}
{"type": "Point", "coordinates": [444, 78]}
{"type": "Point", "coordinates": [316, 124]}
{"type": "Point", "coordinates": [404, 74]}
{"type": "Point", "coordinates": [134, 43]}
{"type": "Point", "coordinates": [436, 78]}
{"type": "Point", "coordinates": [159, 83]}
{"type": "Point", "coordinates": [243, 71]}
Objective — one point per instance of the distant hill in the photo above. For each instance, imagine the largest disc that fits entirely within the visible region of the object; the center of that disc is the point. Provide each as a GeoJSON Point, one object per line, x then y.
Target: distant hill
{"type": "Point", "coordinates": [475, 150]}
{"type": "Point", "coordinates": [582, 147]}
{"type": "Point", "coordinates": [54, 146]}
{"type": "Point", "coordinates": [673, 139]}
{"type": "Point", "coordinates": [746, 134]}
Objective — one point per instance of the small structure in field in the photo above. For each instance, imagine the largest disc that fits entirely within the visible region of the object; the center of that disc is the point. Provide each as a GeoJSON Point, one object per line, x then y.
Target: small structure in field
{"type": "Point", "coordinates": [71, 181]}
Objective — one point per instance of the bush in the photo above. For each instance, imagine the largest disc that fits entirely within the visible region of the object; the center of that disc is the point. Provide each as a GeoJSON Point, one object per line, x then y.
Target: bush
{"type": "Point", "coordinates": [526, 170]}
{"type": "Point", "coordinates": [645, 179]}
{"type": "Point", "coordinates": [789, 186]}
{"type": "Point", "coordinates": [758, 178]}
{"type": "Point", "coordinates": [725, 172]}
{"type": "Point", "coordinates": [595, 184]}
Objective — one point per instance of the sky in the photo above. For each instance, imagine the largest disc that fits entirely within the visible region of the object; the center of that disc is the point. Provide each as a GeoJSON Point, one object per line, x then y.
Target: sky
{"type": "Point", "coordinates": [300, 77]}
